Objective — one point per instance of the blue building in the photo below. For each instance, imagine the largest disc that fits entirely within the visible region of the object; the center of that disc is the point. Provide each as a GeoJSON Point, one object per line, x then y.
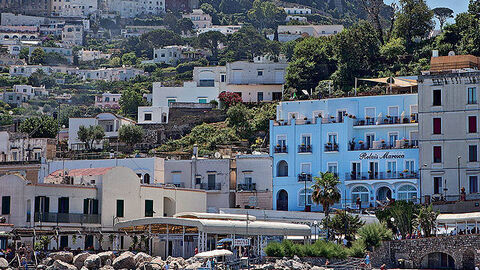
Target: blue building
{"type": "Point", "coordinates": [369, 142]}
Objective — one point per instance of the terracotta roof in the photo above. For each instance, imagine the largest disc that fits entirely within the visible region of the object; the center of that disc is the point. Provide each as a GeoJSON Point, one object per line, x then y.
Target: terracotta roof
{"type": "Point", "coordinates": [81, 172]}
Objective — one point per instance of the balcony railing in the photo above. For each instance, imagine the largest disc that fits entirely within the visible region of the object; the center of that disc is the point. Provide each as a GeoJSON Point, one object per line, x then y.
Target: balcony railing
{"type": "Point", "coordinates": [206, 186]}
{"type": "Point", "coordinates": [388, 120]}
{"type": "Point", "coordinates": [247, 187]}
{"type": "Point", "coordinates": [304, 148]}
{"type": "Point", "coordinates": [381, 175]}
{"type": "Point", "coordinates": [401, 144]}
{"type": "Point", "coordinates": [178, 185]}
{"type": "Point", "coordinates": [280, 149]}
{"type": "Point", "coordinates": [329, 147]}
{"type": "Point", "coordinates": [304, 177]}
{"type": "Point", "coordinates": [67, 218]}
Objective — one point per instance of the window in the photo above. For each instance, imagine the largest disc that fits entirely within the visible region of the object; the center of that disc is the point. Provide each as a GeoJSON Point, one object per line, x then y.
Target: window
{"type": "Point", "coordinates": [333, 168]}
{"type": "Point", "coordinates": [391, 167]}
{"type": "Point", "coordinates": [90, 207]}
{"type": "Point", "coordinates": [5, 205]}
{"type": "Point", "coordinates": [437, 154]}
{"type": "Point", "coordinates": [407, 193]}
{"type": "Point", "coordinates": [259, 72]}
{"type": "Point", "coordinates": [437, 185]}
{"type": "Point", "coordinates": [472, 124]}
{"type": "Point", "coordinates": [370, 138]}
{"type": "Point", "coordinates": [473, 183]}
{"type": "Point", "coordinates": [222, 77]}
{"type": "Point", "coordinates": [281, 141]}
{"type": "Point", "coordinates": [472, 153]}
{"type": "Point", "coordinates": [149, 208]}
{"type": "Point", "coordinates": [360, 192]}
{"type": "Point", "coordinates": [42, 204]}
{"type": "Point", "coordinates": [472, 95]}
{"type": "Point", "coordinates": [120, 208]}
{"type": "Point", "coordinates": [392, 138]}
{"type": "Point", "coordinates": [306, 140]}
{"type": "Point", "coordinates": [171, 100]}
{"type": "Point", "coordinates": [301, 198]}
{"type": "Point", "coordinates": [148, 117]}
{"type": "Point", "coordinates": [305, 168]}
{"type": "Point", "coordinates": [259, 96]}
{"type": "Point", "coordinates": [410, 165]}
{"type": "Point", "coordinates": [437, 97]}
{"type": "Point", "coordinates": [332, 138]}
{"type": "Point", "coordinates": [437, 125]}
{"type": "Point", "coordinates": [282, 168]}
{"type": "Point", "coordinates": [202, 100]}
{"type": "Point", "coordinates": [63, 205]}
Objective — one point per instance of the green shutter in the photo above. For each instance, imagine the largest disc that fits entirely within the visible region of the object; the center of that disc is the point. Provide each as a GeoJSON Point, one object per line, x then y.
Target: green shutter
{"type": "Point", "coordinates": [6, 205]}
{"type": "Point", "coordinates": [149, 208]}
{"type": "Point", "coordinates": [120, 208]}
{"type": "Point", "coordinates": [85, 206]}
{"type": "Point", "coordinates": [47, 205]}
{"type": "Point", "coordinates": [95, 207]}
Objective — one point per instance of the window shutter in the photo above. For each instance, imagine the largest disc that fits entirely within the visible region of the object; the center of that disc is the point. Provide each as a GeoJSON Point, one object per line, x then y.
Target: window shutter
{"type": "Point", "coordinates": [472, 124]}
{"type": "Point", "coordinates": [6, 205]}
{"type": "Point", "coordinates": [37, 204]}
{"type": "Point", "coordinates": [85, 206]}
{"type": "Point", "coordinates": [95, 207]}
{"type": "Point", "coordinates": [47, 205]}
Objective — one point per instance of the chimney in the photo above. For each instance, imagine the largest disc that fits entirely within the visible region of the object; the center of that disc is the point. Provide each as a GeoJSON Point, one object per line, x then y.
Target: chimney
{"type": "Point", "coordinates": [435, 53]}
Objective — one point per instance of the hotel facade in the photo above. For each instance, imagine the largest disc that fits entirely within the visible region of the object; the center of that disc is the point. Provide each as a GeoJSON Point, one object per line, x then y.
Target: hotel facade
{"type": "Point", "coordinates": [370, 143]}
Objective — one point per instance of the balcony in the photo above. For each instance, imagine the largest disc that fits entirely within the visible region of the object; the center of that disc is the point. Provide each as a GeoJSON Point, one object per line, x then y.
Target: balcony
{"type": "Point", "coordinates": [206, 186]}
{"type": "Point", "coordinates": [382, 144]}
{"type": "Point", "coordinates": [388, 120]}
{"type": "Point", "coordinates": [280, 149]}
{"type": "Point", "coordinates": [67, 218]}
{"type": "Point", "coordinates": [329, 147]}
{"type": "Point", "coordinates": [304, 148]}
{"type": "Point", "coordinates": [247, 187]}
{"type": "Point", "coordinates": [178, 185]}
{"type": "Point", "coordinates": [381, 175]}
{"type": "Point", "coordinates": [304, 177]}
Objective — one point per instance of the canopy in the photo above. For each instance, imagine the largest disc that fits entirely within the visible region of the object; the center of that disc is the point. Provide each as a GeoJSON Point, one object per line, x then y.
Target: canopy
{"type": "Point", "coordinates": [457, 218]}
{"type": "Point", "coordinates": [397, 82]}
{"type": "Point", "coordinates": [214, 253]}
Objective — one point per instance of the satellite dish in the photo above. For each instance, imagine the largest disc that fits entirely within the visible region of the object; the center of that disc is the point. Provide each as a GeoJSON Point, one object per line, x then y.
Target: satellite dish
{"type": "Point", "coordinates": [218, 155]}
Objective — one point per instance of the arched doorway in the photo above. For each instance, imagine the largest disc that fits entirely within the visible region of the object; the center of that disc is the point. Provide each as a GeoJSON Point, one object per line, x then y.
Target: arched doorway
{"type": "Point", "coordinates": [384, 194]}
{"type": "Point", "coordinates": [146, 178]}
{"type": "Point", "coordinates": [468, 260]}
{"type": "Point", "coordinates": [282, 200]}
{"type": "Point", "coordinates": [437, 260]}
{"type": "Point", "coordinates": [282, 168]}
{"type": "Point", "coordinates": [168, 207]}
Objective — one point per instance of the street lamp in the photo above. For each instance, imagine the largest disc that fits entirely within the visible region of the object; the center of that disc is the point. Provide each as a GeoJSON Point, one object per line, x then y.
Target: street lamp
{"type": "Point", "coordinates": [315, 224]}
{"type": "Point", "coordinates": [304, 177]}
{"type": "Point", "coordinates": [420, 181]}
{"type": "Point", "coordinates": [458, 174]}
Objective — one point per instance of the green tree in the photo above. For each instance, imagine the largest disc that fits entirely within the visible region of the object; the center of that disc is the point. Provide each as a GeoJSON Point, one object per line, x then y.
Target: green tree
{"type": "Point", "coordinates": [356, 50]}
{"type": "Point", "coordinates": [39, 78]}
{"type": "Point", "coordinates": [262, 117]}
{"type": "Point", "coordinates": [346, 224]}
{"type": "Point", "coordinates": [131, 134]}
{"type": "Point", "coordinates": [245, 44]}
{"type": "Point", "coordinates": [403, 214]}
{"type": "Point", "coordinates": [38, 56]}
{"type": "Point", "coordinates": [211, 40]}
{"type": "Point", "coordinates": [325, 192]}
{"type": "Point", "coordinates": [40, 127]}
{"type": "Point", "coordinates": [130, 101]}
{"type": "Point", "coordinates": [415, 19]}
{"type": "Point", "coordinates": [312, 62]}
{"type": "Point", "coordinates": [24, 53]}
{"type": "Point", "coordinates": [129, 59]}
{"type": "Point", "coordinates": [115, 62]}
{"type": "Point", "coordinates": [238, 117]}
{"type": "Point", "coordinates": [156, 39]}
{"type": "Point", "coordinates": [184, 26]}
{"type": "Point", "coordinates": [373, 234]}
{"type": "Point", "coordinates": [394, 48]}
{"type": "Point", "coordinates": [90, 134]}
{"type": "Point", "coordinates": [426, 219]}
{"type": "Point", "coordinates": [442, 14]}
{"type": "Point", "coordinates": [265, 14]}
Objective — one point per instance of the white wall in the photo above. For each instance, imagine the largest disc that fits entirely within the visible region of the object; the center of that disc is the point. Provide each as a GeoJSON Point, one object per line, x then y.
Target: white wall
{"type": "Point", "coordinates": [188, 93]}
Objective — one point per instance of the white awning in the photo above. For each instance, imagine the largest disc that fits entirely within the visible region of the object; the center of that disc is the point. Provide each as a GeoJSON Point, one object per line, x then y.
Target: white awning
{"type": "Point", "coordinates": [458, 218]}
{"type": "Point", "coordinates": [214, 253]}
{"type": "Point", "coordinates": [215, 226]}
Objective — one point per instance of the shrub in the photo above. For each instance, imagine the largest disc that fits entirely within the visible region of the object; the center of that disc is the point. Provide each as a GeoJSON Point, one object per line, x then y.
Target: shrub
{"type": "Point", "coordinates": [274, 249]}
{"type": "Point", "coordinates": [373, 234]}
{"type": "Point", "coordinates": [357, 249]}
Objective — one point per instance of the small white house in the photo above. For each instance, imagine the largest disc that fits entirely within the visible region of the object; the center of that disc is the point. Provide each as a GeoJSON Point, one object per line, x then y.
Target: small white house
{"type": "Point", "coordinates": [30, 91]}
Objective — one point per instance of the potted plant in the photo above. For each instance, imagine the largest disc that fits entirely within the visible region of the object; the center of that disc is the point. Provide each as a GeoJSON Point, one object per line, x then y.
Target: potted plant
{"type": "Point", "coordinates": [405, 120]}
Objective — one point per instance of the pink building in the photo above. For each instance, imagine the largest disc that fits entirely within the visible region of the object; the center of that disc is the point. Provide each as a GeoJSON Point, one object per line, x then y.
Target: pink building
{"type": "Point", "coordinates": [108, 100]}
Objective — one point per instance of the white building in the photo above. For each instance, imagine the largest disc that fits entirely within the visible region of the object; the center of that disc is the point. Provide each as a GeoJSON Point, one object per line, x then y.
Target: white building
{"type": "Point", "coordinates": [253, 181]}
{"type": "Point", "coordinates": [89, 201]}
{"type": "Point", "coordinates": [449, 136]}
{"type": "Point", "coordinates": [109, 74]}
{"type": "Point", "coordinates": [20, 147]}
{"type": "Point", "coordinates": [110, 122]}
{"type": "Point", "coordinates": [65, 52]}
{"type": "Point", "coordinates": [297, 11]}
{"type": "Point", "coordinates": [20, 19]}
{"type": "Point", "coordinates": [88, 55]}
{"type": "Point", "coordinates": [199, 18]}
{"type": "Point", "coordinates": [292, 32]}
{"type": "Point", "coordinates": [73, 8]}
{"type": "Point", "coordinates": [173, 54]}
{"type": "Point", "coordinates": [30, 91]}
{"type": "Point", "coordinates": [27, 70]}
{"type": "Point", "coordinates": [130, 9]}
{"type": "Point", "coordinates": [296, 18]}
{"type": "Point", "coordinates": [72, 34]}
{"type": "Point", "coordinates": [224, 29]}
{"type": "Point", "coordinates": [108, 100]}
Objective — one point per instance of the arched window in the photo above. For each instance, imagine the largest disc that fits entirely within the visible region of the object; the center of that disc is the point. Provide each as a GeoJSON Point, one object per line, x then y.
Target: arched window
{"type": "Point", "coordinates": [282, 168]}
{"type": "Point", "coordinates": [360, 192]}
{"type": "Point", "coordinates": [407, 193]}
{"type": "Point", "coordinates": [146, 178]}
{"type": "Point", "coordinates": [301, 197]}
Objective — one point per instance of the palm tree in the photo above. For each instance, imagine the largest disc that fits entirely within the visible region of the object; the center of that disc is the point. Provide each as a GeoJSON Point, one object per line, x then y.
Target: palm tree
{"type": "Point", "coordinates": [426, 218]}
{"type": "Point", "coordinates": [325, 192]}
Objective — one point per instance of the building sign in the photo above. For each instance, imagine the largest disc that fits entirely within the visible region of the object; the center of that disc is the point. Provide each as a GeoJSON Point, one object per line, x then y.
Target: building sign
{"type": "Point", "coordinates": [241, 242]}
{"type": "Point", "coordinates": [381, 155]}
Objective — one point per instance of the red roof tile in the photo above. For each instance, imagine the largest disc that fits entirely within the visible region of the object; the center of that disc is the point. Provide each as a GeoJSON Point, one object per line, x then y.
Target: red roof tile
{"type": "Point", "coordinates": [81, 172]}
